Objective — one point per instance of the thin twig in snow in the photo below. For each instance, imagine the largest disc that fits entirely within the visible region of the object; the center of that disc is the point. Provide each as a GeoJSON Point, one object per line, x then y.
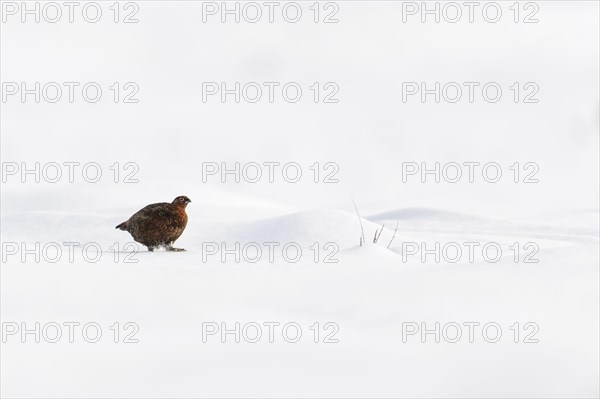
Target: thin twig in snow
{"type": "Point", "coordinates": [362, 231]}
{"type": "Point", "coordinates": [376, 238]}
{"type": "Point", "coordinates": [395, 230]}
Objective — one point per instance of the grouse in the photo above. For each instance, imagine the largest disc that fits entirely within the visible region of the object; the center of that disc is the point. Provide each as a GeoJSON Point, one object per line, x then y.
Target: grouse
{"type": "Point", "coordinates": [158, 225]}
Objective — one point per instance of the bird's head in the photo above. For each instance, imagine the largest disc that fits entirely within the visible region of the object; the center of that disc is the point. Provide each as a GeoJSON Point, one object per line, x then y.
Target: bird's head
{"type": "Point", "coordinates": [182, 201]}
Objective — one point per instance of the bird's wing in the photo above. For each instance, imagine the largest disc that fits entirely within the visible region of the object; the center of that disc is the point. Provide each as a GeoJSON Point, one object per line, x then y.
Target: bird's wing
{"type": "Point", "coordinates": [155, 216]}
{"type": "Point", "coordinates": [150, 210]}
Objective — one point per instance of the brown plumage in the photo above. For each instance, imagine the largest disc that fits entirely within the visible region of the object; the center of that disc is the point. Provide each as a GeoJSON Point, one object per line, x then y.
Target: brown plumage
{"type": "Point", "coordinates": [158, 225]}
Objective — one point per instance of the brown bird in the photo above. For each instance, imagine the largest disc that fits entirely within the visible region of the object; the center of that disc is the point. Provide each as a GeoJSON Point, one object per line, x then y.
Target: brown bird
{"type": "Point", "coordinates": [158, 225]}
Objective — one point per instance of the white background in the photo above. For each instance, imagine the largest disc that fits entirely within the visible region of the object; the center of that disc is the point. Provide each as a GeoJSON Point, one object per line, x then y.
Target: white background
{"type": "Point", "coordinates": [371, 291]}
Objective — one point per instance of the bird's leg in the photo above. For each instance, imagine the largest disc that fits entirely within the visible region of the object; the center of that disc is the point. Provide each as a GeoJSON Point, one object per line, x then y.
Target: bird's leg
{"type": "Point", "coordinates": [169, 247]}
{"type": "Point", "coordinates": [151, 249]}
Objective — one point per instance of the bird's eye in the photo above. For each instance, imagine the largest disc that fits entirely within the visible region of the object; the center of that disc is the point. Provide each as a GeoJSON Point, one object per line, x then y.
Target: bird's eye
{"type": "Point", "coordinates": [181, 199]}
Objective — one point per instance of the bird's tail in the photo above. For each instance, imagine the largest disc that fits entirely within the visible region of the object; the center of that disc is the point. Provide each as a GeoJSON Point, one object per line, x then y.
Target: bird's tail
{"type": "Point", "coordinates": [122, 226]}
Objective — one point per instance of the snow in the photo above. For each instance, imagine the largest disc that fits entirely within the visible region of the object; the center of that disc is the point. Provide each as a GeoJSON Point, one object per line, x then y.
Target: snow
{"type": "Point", "coordinates": [369, 293]}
